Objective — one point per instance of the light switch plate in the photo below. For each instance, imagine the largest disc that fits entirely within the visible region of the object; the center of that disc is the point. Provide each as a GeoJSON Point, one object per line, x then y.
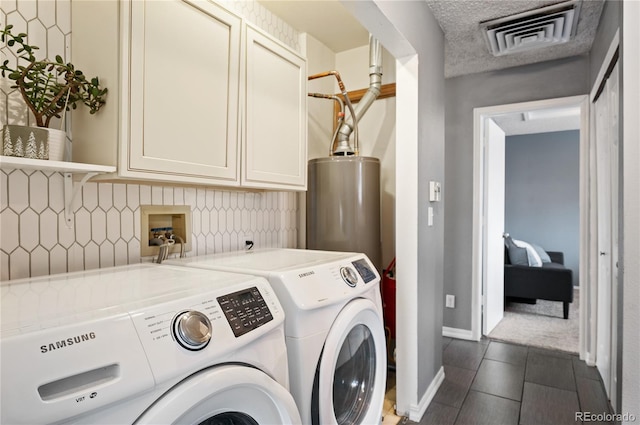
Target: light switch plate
{"type": "Point", "coordinates": [450, 301]}
{"type": "Point", "coordinates": [434, 191]}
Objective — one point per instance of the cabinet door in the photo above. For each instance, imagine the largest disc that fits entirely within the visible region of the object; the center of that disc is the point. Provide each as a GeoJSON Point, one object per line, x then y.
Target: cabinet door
{"type": "Point", "coordinates": [184, 64]}
{"type": "Point", "coordinates": [275, 130]}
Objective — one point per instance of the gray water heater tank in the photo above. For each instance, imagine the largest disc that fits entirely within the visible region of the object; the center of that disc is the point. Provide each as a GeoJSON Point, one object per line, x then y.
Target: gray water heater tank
{"type": "Point", "coordinates": [343, 205]}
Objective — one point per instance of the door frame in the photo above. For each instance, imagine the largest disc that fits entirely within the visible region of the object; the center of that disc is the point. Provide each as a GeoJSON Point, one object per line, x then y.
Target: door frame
{"type": "Point", "coordinates": [494, 226]}
{"type": "Point", "coordinates": [480, 116]}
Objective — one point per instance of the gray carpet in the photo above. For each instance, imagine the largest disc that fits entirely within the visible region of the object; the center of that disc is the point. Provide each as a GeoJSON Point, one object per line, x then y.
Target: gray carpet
{"type": "Point", "coordinates": [541, 325]}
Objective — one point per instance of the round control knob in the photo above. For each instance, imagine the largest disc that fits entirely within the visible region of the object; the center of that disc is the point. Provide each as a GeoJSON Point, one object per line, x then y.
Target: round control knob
{"type": "Point", "coordinates": [192, 330]}
{"type": "Point", "coordinates": [349, 276]}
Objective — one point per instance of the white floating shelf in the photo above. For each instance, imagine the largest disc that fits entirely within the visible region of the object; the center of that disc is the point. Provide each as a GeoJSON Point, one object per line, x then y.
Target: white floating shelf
{"type": "Point", "coordinates": [67, 168]}
{"type": "Point", "coordinates": [11, 162]}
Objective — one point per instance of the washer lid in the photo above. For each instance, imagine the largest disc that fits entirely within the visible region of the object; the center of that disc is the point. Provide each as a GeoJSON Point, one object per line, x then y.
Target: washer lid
{"type": "Point", "coordinates": [38, 303]}
{"type": "Point", "coordinates": [268, 260]}
{"type": "Point", "coordinates": [302, 279]}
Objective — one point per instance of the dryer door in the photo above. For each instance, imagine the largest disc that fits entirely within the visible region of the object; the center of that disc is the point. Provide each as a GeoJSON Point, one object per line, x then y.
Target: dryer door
{"type": "Point", "coordinates": [220, 395]}
{"type": "Point", "coordinates": [351, 376]}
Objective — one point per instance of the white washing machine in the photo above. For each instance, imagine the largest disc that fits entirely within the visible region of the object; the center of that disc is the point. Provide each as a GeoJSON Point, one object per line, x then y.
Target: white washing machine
{"type": "Point", "coordinates": [334, 329]}
{"type": "Point", "coordinates": [143, 344]}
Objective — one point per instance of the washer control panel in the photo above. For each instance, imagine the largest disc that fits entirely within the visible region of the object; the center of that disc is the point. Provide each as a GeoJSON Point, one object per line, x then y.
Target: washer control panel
{"type": "Point", "coordinates": [245, 310]}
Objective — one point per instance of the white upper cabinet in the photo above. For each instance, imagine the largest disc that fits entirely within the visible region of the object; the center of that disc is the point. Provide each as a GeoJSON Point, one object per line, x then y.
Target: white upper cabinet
{"type": "Point", "coordinates": [184, 79]}
{"type": "Point", "coordinates": [194, 97]}
{"type": "Point", "coordinates": [275, 125]}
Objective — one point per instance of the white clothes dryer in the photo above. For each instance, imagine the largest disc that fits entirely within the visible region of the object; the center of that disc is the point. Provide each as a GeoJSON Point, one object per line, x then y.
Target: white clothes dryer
{"type": "Point", "coordinates": [334, 328]}
{"type": "Point", "coordinates": [143, 344]}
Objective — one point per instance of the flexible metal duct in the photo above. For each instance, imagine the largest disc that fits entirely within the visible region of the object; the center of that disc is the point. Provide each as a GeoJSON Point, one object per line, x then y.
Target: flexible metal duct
{"type": "Point", "coordinates": [375, 83]}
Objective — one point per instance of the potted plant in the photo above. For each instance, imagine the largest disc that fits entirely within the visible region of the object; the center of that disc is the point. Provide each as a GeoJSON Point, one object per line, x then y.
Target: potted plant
{"type": "Point", "coordinates": [49, 89]}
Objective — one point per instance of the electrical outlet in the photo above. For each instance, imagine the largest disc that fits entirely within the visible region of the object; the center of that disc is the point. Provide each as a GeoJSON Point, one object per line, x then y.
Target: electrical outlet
{"type": "Point", "coordinates": [247, 241]}
{"type": "Point", "coordinates": [450, 301]}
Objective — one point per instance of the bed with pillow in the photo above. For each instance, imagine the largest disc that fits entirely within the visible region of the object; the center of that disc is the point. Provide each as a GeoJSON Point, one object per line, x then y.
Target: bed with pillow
{"type": "Point", "coordinates": [532, 273]}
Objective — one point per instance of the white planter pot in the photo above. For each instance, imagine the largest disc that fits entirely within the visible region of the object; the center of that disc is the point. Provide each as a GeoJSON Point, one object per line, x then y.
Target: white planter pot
{"type": "Point", "coordinates": [57, 142]}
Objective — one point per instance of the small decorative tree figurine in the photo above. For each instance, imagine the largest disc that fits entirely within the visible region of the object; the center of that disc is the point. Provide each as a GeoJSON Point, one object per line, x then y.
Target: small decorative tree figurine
{"type": "Point", "coordinates": [18, 149]}
{"type": "Point", "coordinates": [49, 88]}
{"type": "Point", "coordinates": [7, 144]}
{"type": "Point", "coordinates": [42, 154]}
{"type": "Point", "coordinates": [31, 151]}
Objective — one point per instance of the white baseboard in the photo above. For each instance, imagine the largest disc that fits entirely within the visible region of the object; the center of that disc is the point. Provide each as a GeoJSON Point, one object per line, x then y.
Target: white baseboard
{"type": "Point", "coordinates": [417, 412]}
{"type": "Point", "coordinates": [458, 333]}
{"type": "Point", "coordinates": [589, 359]}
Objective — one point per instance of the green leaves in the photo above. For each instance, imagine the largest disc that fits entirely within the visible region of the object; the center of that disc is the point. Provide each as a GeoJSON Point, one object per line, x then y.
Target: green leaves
{"type": "Point", "coordinates": [48, 88]}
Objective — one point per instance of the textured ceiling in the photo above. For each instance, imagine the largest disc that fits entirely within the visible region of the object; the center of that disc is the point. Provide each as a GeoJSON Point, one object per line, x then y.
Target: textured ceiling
{"type": "Point", "coordinates": [465, 47]}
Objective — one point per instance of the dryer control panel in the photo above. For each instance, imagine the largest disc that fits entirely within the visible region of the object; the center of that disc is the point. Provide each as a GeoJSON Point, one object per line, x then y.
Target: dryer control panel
{"type": "Point", "coordinates": [364, 270]}
{"type": "Point", "coordinates": [245, 310]}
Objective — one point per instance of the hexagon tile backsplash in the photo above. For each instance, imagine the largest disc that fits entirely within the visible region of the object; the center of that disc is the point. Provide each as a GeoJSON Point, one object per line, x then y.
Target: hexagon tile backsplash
{"type": "Point", "coordinates": [35, 240]}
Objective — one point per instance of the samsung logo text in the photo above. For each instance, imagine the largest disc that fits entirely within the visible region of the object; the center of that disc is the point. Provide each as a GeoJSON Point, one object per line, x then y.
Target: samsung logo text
{"type": "Point", "coordinates": [67, 342]}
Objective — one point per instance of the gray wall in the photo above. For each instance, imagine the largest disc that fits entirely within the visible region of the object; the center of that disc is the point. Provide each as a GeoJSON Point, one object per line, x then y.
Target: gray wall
{"type": "Point", "coordinates": [559, 78]}
{"type": "Point", "coordinates": [542, 192]}
{"type": "Point", "coordinates": [431, 168]}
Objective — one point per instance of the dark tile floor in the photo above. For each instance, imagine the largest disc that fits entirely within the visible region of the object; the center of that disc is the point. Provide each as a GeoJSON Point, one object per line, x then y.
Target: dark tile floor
{"type": "Point", "coordinates": [496, 383]}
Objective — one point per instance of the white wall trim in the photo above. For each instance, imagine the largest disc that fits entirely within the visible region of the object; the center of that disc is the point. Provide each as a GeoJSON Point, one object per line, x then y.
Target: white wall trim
{"type": "Point", "coordinates": [417, 411]}
{"type": "Point", "coordinates": [588, 243]}
{"type": "Point", "coordinates": [601, 77]}
{"type": "Point", "coordinates": [406, 233]}
{"type": "Point", "coordinates": [480, 115]}
{"type": "Point", "coordinates": [478, 207]}
{"type": "Point", "coordinates": [458, 333]}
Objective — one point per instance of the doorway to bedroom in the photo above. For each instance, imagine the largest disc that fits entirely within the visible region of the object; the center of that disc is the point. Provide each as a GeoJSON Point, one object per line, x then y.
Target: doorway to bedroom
{"type": "Point", "coordinates": [529, 163]}
{"type": "Point", "coordinates": [542, 213]}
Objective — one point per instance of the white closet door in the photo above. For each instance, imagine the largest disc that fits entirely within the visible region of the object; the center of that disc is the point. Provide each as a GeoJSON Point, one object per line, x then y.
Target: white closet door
{"type": "Point", "coordinates": [606, 112]}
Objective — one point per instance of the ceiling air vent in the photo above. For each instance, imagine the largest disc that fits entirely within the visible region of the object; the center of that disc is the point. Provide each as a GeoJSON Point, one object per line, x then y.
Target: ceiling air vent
{"type": "Point", "coordinates": [548, 26]}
